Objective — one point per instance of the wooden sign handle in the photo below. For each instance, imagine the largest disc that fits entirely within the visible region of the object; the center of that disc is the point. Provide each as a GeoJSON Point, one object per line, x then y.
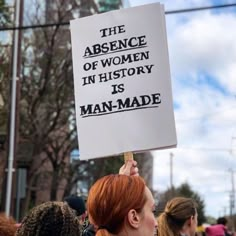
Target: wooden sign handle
{"type": "Point", "coordinates": [128, 156]}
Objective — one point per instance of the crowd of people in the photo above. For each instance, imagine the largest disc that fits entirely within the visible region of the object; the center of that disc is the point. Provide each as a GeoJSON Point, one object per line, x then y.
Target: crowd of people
{"type": "Point", "coordinates": [117, 205]}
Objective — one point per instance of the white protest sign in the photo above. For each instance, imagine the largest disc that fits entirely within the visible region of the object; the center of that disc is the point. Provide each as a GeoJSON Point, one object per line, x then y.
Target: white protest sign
{"type": "Point", "coordinates": [122, 82]}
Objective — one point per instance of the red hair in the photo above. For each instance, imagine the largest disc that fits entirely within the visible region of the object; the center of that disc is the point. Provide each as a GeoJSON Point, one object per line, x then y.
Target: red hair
{"type": "Point", "coordinates": [110, 200]}
{"type": "Point", "coordinates": [7, 225]}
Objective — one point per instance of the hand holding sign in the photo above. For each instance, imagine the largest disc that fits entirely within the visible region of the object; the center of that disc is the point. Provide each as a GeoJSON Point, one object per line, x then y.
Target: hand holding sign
{"type": "Point", "coordinates": [129, 168]}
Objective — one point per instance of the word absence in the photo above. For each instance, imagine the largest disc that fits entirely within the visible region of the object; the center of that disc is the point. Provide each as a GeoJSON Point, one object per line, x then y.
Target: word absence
{"type": "Point", "coordinates": [122, 82]}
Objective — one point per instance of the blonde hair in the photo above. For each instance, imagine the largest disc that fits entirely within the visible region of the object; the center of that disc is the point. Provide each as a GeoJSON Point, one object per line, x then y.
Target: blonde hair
{"type": "Point", "coordinates": [177, 211]}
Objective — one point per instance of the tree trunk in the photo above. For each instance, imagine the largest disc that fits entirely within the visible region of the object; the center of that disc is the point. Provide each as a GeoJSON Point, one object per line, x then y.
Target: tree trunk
{"type": "Point", "coordinates": [54, 184]}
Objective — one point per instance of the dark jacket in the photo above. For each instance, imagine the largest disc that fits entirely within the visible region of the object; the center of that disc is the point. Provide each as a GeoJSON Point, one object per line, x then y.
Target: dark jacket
{"type": "Point", "coordinates": [89, 231]}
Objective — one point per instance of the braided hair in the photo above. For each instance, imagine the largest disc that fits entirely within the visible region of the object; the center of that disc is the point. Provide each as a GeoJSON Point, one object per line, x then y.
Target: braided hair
{"type": "Point", "coordinates": [50, 219]}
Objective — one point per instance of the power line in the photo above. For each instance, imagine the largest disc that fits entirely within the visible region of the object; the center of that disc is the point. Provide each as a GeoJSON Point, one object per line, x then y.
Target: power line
{"type": "Point", "coordinates": [34, 26]}
{"type": "Point", "coordinates": [200, 8]}
{"type": "Point", "coordinates": [166, 12]}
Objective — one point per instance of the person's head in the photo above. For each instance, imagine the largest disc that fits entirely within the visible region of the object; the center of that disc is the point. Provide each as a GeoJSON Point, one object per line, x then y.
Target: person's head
{"type": "Point", "coordinates": [120, 203]}
{"type": "Point", "coordinates": [50, 219]}
{"type": "Point", "coordinates": [179, 217]}
{"type": "Point", "coordinates": [222, 221]}
{"type": "Point", "coordinates": [7, 225]}
{"type": "Point", "coordinates": [78, 205]}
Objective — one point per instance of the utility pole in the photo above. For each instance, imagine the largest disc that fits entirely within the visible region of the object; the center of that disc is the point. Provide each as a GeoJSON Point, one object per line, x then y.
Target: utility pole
{"type": "Point", "coordinates": [232, 196]}
{"type": "Point", "coordinates": [171, 174]}
{"type": "Point", "coordinates": [224, 210]}
{"type": "Point", "coordinates": [13, 111]}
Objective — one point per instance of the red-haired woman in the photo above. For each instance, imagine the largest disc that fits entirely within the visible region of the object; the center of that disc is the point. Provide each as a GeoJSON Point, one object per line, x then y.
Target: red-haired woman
{"type": "Point", "coordinates": [122, 205]}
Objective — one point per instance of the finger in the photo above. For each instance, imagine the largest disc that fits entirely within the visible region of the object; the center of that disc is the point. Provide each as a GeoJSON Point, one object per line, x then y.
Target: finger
{"type": "Point", "coordinates": [134, 171]}
{"type": "Point", "coordinates": [135, 163]}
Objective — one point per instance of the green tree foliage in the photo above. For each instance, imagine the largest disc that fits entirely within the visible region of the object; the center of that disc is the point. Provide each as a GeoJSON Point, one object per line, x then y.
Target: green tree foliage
{"type": "Point", "coordinates": [211, 220]}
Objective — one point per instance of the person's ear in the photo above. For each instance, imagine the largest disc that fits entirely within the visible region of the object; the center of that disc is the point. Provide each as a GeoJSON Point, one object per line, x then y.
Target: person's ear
{"type": "Point", "coordinates": [191, 220]}
{"type": "Point", "coordinates": [187, 223]}
{"type": "Point", "coordinates": [133, 218]}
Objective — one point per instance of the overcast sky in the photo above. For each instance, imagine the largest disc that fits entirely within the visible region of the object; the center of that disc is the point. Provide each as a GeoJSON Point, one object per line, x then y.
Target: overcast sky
{"type": "Point", "coordinates": [202, 52]}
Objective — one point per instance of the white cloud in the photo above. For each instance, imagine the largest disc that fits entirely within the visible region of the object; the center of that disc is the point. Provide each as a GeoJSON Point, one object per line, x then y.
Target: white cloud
{"type": "Point", "coordinates": [206, 44]}
{"type": "Point", "coordinates": [202, 53]}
